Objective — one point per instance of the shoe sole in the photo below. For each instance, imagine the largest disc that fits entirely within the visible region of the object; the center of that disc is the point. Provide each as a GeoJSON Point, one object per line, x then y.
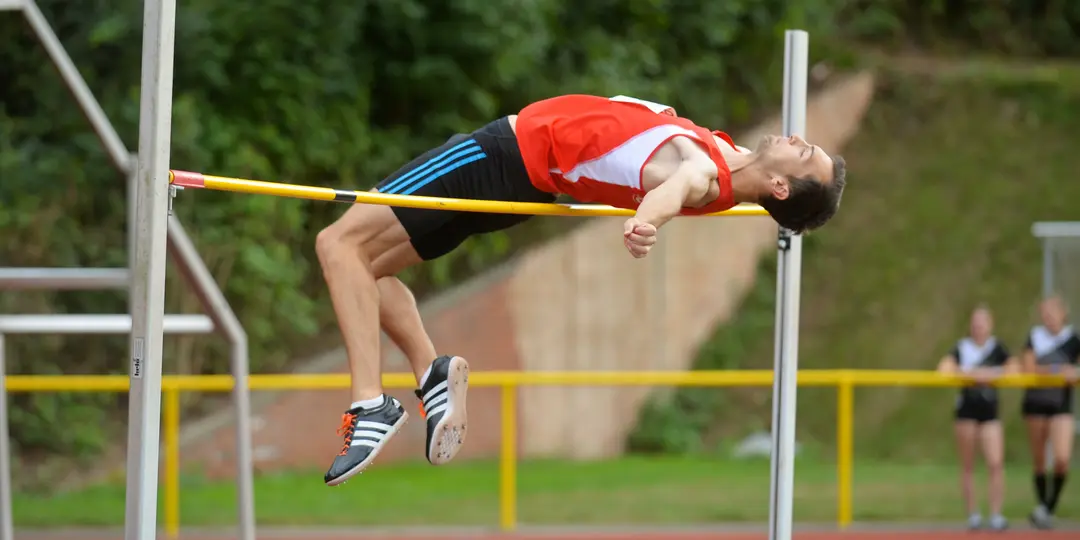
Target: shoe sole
{"type": "Point", "coordinates": [449, 434]}
{"type": "Point", "coordinates": [374, 452]}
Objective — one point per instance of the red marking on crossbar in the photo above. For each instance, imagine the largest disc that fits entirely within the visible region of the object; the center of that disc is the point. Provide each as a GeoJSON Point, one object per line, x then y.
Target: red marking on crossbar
{"type": "Point", "coordinates": [188, 179]}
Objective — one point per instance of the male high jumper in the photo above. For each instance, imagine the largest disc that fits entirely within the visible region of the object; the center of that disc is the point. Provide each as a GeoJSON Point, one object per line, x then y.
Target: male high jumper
{"type": "Point", "coordinates": [619, 151]}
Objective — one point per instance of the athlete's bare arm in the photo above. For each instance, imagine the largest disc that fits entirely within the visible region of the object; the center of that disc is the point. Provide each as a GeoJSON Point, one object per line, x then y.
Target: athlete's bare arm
{"type": "Point", "coordinates": [1031, 365]}
{"type": "Point", "coordinates": [680, 174]}
{"type": "Point", "coordinates": [947, 365]}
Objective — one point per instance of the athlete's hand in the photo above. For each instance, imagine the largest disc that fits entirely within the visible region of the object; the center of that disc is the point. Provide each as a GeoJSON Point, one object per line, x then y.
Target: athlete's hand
{"type": "Point", "coordinates": [1069, 373]}
{"type": "Point", "coordinates": [985, 376]}
{"type": "Point", "coordinates": [639, 237]}
{"type": "Point", "coordinates": [982, 376]}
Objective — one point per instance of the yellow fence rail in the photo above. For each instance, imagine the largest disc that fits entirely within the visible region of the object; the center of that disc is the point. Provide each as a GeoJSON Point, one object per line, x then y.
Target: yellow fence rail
{"type": "Point", "coordinates": [844, 381]}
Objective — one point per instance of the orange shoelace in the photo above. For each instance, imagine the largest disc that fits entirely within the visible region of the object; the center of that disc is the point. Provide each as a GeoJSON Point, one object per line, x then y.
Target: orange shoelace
{"type": "Point", "coordinates": [420, 396]}
{"type": "Point", "coordinates": [346, 430]}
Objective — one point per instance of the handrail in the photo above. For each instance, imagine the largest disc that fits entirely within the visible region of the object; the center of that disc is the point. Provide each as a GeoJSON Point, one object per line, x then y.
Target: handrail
{"type": "Point", "coordinates": [845, 382]}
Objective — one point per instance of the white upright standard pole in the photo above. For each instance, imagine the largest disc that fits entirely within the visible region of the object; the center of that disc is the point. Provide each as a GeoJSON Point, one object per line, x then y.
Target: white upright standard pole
{"type": "Point", "coordinates": [148, 270]}
{"type": "Point", "coordinates": [789, 269]}
{"type": "Point", "coordinates": [7, 523]}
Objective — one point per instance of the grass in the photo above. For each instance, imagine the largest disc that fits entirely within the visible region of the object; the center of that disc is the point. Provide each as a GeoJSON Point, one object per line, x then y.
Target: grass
{"type": "Point", "coordinates": [946, 176]}
{"type": "Point", "coordinates": [625, 491]}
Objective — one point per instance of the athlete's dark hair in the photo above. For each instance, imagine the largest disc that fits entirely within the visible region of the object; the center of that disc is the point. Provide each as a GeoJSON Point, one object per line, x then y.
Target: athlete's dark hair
{"type": "Point", "coordinates": [810, 202]}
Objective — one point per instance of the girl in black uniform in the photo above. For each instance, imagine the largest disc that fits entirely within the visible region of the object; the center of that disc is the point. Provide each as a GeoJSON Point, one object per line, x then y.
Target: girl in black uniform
{"type": "Point", "coordinates": [1051, 348]}
{"type": "Point", "coordinates": [981, 357]}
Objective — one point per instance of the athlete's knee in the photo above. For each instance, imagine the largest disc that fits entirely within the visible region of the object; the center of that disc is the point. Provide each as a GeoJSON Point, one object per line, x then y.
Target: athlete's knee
{"type": "Point", "coordinates": [1038, 463]}
{"type": "Point", "coordinates": [350, 235]}
{"type": "Point", "coordinates": [1062, 458]}
{"type": "Point", "coordinates": [329, 242]}
{"type": "Point", "coordinates": [967, 464]}
{"type": "Point", "coordinates": [340, 240]}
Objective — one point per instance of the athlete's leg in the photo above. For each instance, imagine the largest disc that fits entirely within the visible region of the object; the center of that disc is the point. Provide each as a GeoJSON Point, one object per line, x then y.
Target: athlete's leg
{"type": "Point", "coordinates": [966, 431]}
{"type": "Point", "coordinates": [993, 446]}
{"type": "Point", "coordinates": [484, 165]}
{"type": "Point", "coordinates": [398, 312]}
{"type": "Point", "coordinates": [398, 317]}
{"type": "Point", "coordinates": [401, 322]}
{"type": "Point", "coordinates": [346, 251]}
{"type": "Point", "coordinates": [1038, 432]}
{"type": "Point", "coordinates": [442, 382]}
{"type": "Point", "coordinates": [1062, 433]}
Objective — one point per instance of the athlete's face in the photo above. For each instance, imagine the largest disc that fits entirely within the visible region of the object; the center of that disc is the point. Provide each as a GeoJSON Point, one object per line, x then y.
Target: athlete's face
{"type": "Point", "coordinates": [1052, 313]}
{"type": "Point", "coordinates": [786, 157]}
{"type": "Point", "coordinates": [804, 184]}
{"type": "Point", "coordinates": [982, 325]}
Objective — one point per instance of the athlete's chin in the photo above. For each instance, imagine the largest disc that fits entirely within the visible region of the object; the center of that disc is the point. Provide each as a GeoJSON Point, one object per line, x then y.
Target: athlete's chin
{"type": "Point", "coordinates": [765, 142]}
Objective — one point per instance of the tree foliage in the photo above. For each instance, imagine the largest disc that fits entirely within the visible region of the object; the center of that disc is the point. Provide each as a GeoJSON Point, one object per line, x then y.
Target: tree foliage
{"type": "Point", "coordinates": [337, 94]}
{"type": "Point", "coordinates": [1033, 28]}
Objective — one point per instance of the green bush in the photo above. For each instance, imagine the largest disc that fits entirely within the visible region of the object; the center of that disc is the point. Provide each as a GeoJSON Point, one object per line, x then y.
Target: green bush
{"type": "Point", "coordinates": [1019, 27]}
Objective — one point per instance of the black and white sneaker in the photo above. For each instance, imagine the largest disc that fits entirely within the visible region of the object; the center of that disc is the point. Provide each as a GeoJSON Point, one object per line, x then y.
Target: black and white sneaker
{"type": "Point", "coordinates": [1041, 518]}
{"type": "Point", "coordinates": [366, 431]}
{"type": "Point", "coordinates": [442, 403]}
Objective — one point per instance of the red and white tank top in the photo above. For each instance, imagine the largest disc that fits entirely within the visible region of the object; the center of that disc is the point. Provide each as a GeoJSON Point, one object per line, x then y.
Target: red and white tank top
{"type": "Point", "coordinates": [594, 148]}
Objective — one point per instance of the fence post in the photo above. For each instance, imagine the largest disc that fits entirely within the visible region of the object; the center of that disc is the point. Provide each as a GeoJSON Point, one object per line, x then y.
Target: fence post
{"type": "Point", "coordinates": [172, 460]}
{"type": "Point", "coordinates": [845, 412]}
{"type": "Point", "coordinates": [508, 459]}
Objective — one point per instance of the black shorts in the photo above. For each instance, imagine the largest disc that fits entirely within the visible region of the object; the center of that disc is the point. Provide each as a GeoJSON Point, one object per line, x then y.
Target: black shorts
{"type": "Point", "coordinates": [1042, 408]}
{"type": "Point", "coordinates": [483, 165]}
{"type": "Point", "coordinates": [978, 410]}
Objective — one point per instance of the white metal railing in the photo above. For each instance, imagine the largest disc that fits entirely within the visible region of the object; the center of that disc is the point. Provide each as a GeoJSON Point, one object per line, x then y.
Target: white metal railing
{"type": "Point", "coordinates": [97, 324]}
{"type": "Point", "coordinates": [65, 324]}
{"type": "Point", "coordinates": [64, 279]}
{"type": "Point", "coordinates": [184, 254]}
